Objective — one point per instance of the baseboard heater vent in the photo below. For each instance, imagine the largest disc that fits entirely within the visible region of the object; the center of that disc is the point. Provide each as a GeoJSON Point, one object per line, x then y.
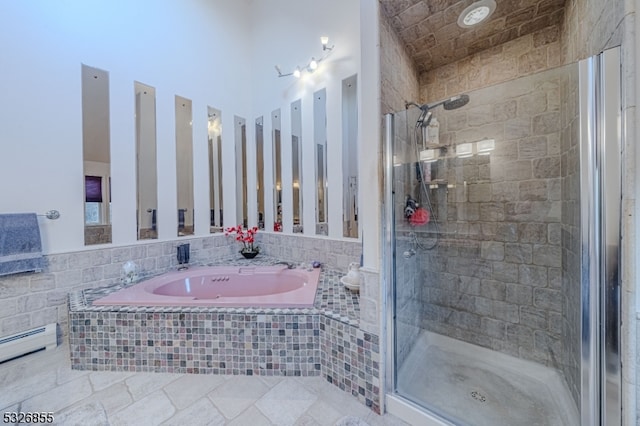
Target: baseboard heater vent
{"type": "Point", "coordinates": [28, 341]}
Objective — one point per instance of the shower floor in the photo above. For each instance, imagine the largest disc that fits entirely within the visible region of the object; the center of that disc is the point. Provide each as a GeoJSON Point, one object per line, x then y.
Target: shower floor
{"type": "Point", "coordinates": [477, 386]}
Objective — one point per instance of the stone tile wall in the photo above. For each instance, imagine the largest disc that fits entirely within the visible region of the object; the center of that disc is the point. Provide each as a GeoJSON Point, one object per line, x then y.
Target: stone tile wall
{"type": "Point", "coordinates": [571, 235]}
{"type": "Point", "coordinates": [335, 254]}
{"type": "Point", "coordinates": [408, 307]}
{"type": "Point", "coordinates": [399, 79]}
{"type": "Point", "coordinates": [523, 56]}
{"type": "Point", "coordinates": [32, 300]}
{"type": "Point", "coordinates": [494, 278]}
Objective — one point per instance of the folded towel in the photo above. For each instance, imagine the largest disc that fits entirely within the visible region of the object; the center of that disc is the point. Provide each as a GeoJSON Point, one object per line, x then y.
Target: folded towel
{"type": "Point", "coordinates": [20, 244]}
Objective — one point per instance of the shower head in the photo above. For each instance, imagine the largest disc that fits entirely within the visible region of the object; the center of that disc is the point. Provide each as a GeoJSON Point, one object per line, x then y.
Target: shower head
{"type": "Point", "coordinates": [424, 119]}
{"type": "Point", "coordinates": [425, 115]}
{"type": "Point", "coordinates": [456, 102]}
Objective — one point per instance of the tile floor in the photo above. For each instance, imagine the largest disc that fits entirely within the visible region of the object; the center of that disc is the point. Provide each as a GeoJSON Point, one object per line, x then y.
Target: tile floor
{"type": "Point", "coordinates": [44, 381]}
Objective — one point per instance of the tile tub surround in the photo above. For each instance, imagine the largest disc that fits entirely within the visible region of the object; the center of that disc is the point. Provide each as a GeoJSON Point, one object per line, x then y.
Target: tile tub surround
{"type": "Point", "coordinates": [32, 300]}
{"type": "Point", "coordinates": [322, 341]}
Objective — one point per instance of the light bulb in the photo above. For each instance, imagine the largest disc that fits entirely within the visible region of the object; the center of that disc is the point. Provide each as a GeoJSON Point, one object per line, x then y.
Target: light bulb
{"type": "Point", "coordinates": [313, 64]}
{"type": "Point", "coordinates": [324, 40]}
{"type": "Point", "coordinates": [296, 73]}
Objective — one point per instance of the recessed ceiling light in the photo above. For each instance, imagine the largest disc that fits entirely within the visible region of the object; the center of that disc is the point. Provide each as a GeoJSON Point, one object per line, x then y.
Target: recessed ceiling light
{"type": "Point", "coordinates": [476, 13]}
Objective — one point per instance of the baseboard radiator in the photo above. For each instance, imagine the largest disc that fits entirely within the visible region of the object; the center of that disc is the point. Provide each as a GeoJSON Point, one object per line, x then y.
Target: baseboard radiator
{"type": "Point", "coordinates": [28, 341]}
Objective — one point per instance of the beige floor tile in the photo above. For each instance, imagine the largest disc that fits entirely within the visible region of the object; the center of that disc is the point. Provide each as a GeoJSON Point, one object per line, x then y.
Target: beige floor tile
{"type": "Point", "coordinates": [314, 384]}
{"type": "Point", "coordinates": [351, 421]}
{"type": "Point", "coordinates": [85, 414]}
{"type": "Point", "coordinates": [59, 397]}
{"type": "Point", "coordinates": [143, 384]}
{"type": "Point", "coordinates": [307, 420]}
{"type": "Point", "coordinates": [188, 388]}
{"type": "Point", "coordinates": [271, 381]}
{"type": "Point", "coordinates": [23, 384]}
{"type": "Point", "coordinates": [152, 398]}
{"type": "Point", "coordinates": [202, 412]}
{"type": "Point", "coordinates": [237, 394]}
{"type": "Point", "coordinates": [251, 417]}
{"type": "Point", "coordinates": [148, 411]}
{"type": "Point", "coordinates": [114, 398]}
{"type": "Point", "coordinates": [103, 379]}
{"type": "Point", "coordinates": [387, 420]}
{"type": "Point", "coordinates": [286, 402]}
{"type": "Point", "coordinates": [66, 374]}
{"type": "Point", "coordinates": [342, 401]}
{"type": "Point", "coordinates": [324, 413]}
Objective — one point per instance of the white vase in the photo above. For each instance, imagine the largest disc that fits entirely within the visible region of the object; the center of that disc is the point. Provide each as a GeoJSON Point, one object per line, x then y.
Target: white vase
{"type": "Point", "coordinates": [352, 279]}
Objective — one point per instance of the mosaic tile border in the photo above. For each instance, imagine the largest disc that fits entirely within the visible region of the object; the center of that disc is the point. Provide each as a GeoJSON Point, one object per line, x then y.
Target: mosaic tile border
{"type": "Point", "coordinates": [174, 342]}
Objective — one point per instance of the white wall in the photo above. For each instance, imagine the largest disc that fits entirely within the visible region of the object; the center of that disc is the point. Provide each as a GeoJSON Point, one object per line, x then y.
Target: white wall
{"type": "Point", "coordinates": [287, 33]}
{"type": "Point", "coordinates": [196, 49]}
{"type": "Point", "coordinates": [213, 52]}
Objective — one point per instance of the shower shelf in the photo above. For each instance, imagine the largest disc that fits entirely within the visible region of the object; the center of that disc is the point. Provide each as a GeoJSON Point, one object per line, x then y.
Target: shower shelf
{"type": "Point", "coordinates": [435, 145]}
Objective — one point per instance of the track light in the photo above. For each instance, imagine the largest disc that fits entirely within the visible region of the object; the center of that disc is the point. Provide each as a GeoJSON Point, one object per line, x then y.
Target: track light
{"type": "Point", "coordinates": [313, 63]}
{"type": "Point", "coordinates": [325, 41]}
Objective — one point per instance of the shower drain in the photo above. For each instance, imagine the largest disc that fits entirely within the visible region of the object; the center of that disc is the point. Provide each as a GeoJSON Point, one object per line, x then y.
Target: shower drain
{"type": "Point", "coordinates": [478, 396]}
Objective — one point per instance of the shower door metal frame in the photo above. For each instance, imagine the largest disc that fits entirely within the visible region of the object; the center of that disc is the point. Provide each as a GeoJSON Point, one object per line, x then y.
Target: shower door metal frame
{"type": "Point", "coordinates": [601, 199]}
{"type": "Point", "coordinates": [412, 412]}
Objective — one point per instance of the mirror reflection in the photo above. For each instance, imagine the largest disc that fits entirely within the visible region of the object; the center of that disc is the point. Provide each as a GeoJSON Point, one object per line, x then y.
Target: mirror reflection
{"type": "Point", "coordinates": [350, 156]}
{"type": "Point", "coordinates": [241, 170]}
{"type": "Point", "coordinates": [277, 171]}
{"type": "Point", "coordinates": [320, 140]}
{"type": "Point", "coordinates": [296, 163]}
{"type": "Point", "coordinates": [260, 170]}
{"type": "Point", "coordinates": [96, 155]}
{"type": "Point", "coordinates": [215, 168]}
{"type": "Point", "coordinates": [184, 165]}
{"type": "Point", "coordinates": [146, 169]}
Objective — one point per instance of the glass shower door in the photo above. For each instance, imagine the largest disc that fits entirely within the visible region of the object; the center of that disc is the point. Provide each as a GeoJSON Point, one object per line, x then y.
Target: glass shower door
{"type": "Point", "coordinates": [486, 247]}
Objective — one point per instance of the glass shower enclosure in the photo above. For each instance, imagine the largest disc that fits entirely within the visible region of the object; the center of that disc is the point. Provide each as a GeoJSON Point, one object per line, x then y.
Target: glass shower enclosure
{"type": "Point", "coordinates": [502, 264]}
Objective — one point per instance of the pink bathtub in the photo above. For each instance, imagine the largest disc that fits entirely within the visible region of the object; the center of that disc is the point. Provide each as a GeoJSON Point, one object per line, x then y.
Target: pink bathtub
{"type": "Point", "coordinates": [223, 286]}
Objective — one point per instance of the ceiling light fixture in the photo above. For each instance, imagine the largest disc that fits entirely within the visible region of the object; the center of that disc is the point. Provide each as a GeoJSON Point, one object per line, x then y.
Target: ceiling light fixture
{"type": "Point", "coordinates": [476, 13]}
{"type": "Point", "coordinates": [313, 63]}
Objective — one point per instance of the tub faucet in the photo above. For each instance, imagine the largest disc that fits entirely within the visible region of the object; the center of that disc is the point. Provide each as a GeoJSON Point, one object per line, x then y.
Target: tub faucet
{"type": "Point", "coordinates": [183, 256]}
{"type": "Point", "coordinates": [289, 264]}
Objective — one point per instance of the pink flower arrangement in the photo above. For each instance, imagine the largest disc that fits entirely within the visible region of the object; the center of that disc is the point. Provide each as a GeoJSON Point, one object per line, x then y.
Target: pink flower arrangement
{"type": "Point", "coordinates": [246, 237]}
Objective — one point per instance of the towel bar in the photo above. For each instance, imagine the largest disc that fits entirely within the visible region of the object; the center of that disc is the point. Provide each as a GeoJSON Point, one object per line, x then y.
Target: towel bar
{"type": "Point", "coordinates": [51, 214]}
